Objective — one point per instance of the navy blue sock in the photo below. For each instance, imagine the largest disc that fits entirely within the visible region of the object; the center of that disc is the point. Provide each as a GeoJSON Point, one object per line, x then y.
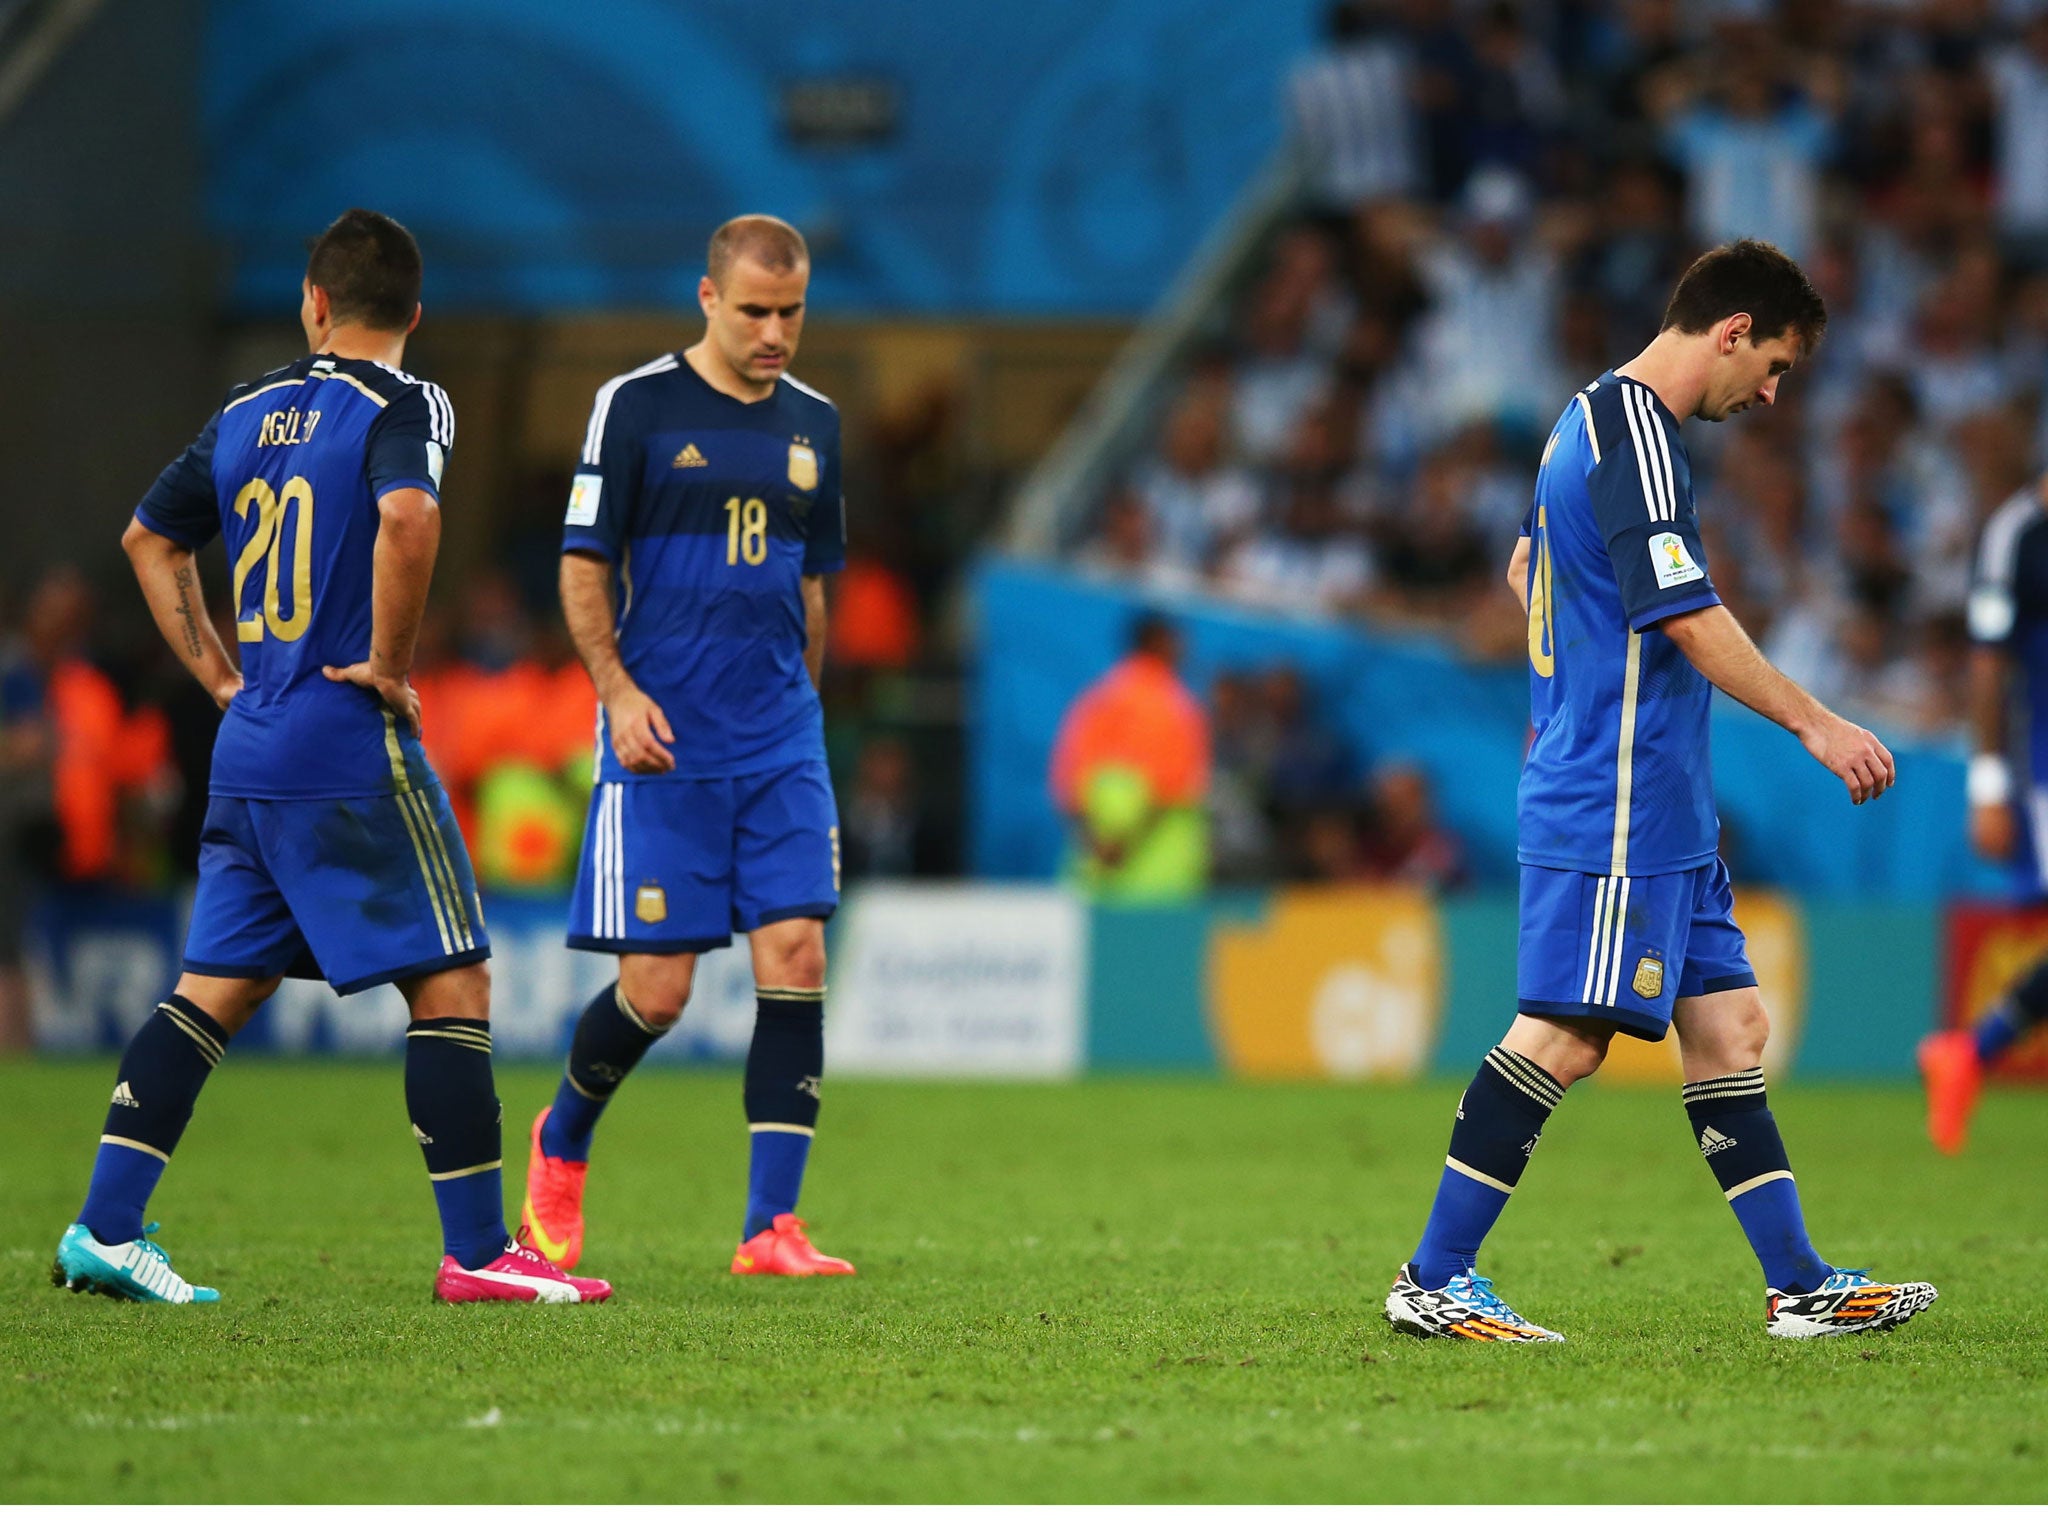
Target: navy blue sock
{"type": "Point", "coordinates": [161, 1073]}
{"type": "Point", "coordinates": [455, 1117]}
{"type": "Point", "coordinates": [610, 1039]}
{"type": "Point", "coordinates": [1500, 1119]}
{"type": "Point", "coordinates": [784, 1065]}
{"type": "Point", "coordinates": [1739, 1138]}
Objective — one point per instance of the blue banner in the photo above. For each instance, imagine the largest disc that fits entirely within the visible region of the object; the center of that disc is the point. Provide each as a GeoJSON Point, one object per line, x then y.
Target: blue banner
{"type": "Point", "coordinates": [1063, 157]}
{"type": "Point", "coordinates": [1045, 634]}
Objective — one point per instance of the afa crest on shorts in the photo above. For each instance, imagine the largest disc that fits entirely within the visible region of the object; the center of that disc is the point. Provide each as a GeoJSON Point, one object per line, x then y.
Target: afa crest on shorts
{"type": "Point", "coordinates": [1649, 980]}
{"type": "Point", "coordinates": [803, 466]}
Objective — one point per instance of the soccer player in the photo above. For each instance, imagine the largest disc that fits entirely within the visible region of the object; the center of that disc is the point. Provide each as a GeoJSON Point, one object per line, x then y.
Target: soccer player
{"type": "Point", "coordinates": [1626, 918]}
{"type": "Point", "coordinates": [2008, 812]}
{"type": "Point", "coordinates": [329, 848]}
{"type": "Point", "coordinates": [701, 525]}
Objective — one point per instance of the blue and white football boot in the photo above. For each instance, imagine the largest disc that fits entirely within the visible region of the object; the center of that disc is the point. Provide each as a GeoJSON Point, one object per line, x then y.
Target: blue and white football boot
{"type": "Point", "coordinates": [1848, 1301]}
{"type": "Point", "coordinates": [1465, 1308]}
{"type": "Point", "coordinates": [137, 1271]}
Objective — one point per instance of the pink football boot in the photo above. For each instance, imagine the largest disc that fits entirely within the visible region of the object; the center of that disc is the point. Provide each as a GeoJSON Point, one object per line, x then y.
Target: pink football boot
{"type": "Point", "coordinates": [517, 1274]}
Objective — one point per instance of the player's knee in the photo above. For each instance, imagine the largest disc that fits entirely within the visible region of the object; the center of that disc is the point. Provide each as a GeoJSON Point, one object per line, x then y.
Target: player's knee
{"type": "Point", "coordinates": [795, 959]}
{"type": "Point", "coordinates": [228, 1000]}
{"type": "Point", "coordinates": [463, 993]}
{"type": "Point", "coordinates": [1564, 1049]}
{"type": "Point", "coordinates": [658, 994]}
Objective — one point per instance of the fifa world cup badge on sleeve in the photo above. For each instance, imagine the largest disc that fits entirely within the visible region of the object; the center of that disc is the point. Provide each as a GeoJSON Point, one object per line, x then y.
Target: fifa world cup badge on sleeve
{"type": "Point", "coordinates": [803, 466]}
{"type": "Point", "coordinates": [1674, 562]}
{"type": "Point", "coordinates": [584, 492]}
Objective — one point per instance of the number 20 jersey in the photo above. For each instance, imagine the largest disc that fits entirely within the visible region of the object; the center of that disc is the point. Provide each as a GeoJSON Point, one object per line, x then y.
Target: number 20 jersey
{"type": "Point", "coordinates": [289, 471]}
{"type": "Point", "coordinates": [1617, 780]}
{"type": "Point", "coordinates": [710, 511]}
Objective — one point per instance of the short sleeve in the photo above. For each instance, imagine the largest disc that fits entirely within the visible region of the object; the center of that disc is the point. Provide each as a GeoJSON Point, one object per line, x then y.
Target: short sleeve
{"type": "Point", "coordinates": [1660, 561]}
{"type": "Point", "coordinates": [825, 545]}
{"type": "Point", "coordinates": [183, 505]}
{"type": "Point", "coordinates": [409, 442]}
{"type": "Point", "coordinates": [599, 517]}
{"type": "Point", "coordinates": [2006, 587]}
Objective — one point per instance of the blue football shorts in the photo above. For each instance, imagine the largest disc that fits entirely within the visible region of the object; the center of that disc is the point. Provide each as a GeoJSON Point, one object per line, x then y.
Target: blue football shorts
{"type": "Point", "coordinates": [356, 891]}
{"type": "Point", "coordinates": [1623, 949]}
{"type": "Point", "coordinates": [678, 866]}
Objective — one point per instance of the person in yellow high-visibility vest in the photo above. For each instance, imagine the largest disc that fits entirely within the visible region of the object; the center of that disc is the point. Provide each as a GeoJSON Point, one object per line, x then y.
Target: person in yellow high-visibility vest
{"type": "Point", "coordinates": [1130, 769]}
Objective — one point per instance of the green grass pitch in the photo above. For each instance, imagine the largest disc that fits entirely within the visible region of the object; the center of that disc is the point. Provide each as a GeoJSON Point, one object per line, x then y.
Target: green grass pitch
{"type": "Point", "coordinates": [1121, 1289]}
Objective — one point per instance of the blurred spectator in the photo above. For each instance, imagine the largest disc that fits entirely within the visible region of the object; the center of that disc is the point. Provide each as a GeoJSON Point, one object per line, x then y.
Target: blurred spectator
{"type": "Point", "coordinates": [27, 828]}
{"type": "Point", "coordinates": [1193, 497]}
{"type": "Point", "coordinates": [2019, 78]}
{"type": "Point", "coordinates": [883, 826]}
{"type": "Point", "coordinates": [1403, 840]}
{"type": "Point", "coordinates": [1353, 110]}
{"type": "Point", "coordinates": [1310, 763]}
{"type": "Point", "coordinates": [103, 756]}
{"type": "Point", "coordinates": [1752, 147]}
{"type": "Point", "coordinates": [1436, 561]}
{"type": "Point", "coordinates": [1130, 769]}
{"type": "Point", "coordinates": [872, 620]}
{"type": "Point", "coordinates": [1488, 345]}
{"type": "Point", "coordinates": [1241, 834]}
{"type": "Point", "coordinates": [509, 723]}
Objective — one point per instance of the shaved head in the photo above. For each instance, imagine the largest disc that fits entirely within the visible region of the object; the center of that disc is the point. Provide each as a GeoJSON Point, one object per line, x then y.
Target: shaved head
{"type": "Point", "coordinates": [758, 237]}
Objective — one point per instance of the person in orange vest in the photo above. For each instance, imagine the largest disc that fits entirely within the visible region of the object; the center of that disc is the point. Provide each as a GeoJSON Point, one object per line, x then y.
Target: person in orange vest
{"type": "Point", "coordinates": [1130, 769]}
{"type": "Point", "coordinates": [102, 753]}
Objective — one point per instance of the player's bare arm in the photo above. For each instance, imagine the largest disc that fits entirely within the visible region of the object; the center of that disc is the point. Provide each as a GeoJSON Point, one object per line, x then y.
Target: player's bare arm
{"type": "Point", "coordinates": [814, 628]}
{"type": "Point", "coordinates": [641, 734]}
{"type": "Point", "coordinates": [408, 539]}
{"type": "Point", "coordinates": [169, 575]}
{"type": "Point", "coordinates": [1518, 572]}
{"type": "Point", "coordinates": [1992, 832]}
{"type": "Point", "coordinates": [1715, 643]}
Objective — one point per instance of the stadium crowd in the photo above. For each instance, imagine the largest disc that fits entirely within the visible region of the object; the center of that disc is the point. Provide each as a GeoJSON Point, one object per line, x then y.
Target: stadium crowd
{"type": "Point", "coordinates": [1497, 200]}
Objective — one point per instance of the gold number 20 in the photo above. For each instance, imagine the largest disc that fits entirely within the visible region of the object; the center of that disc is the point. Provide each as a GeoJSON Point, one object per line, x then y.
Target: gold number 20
{"type": "Point", "coordinates": [271, 508]}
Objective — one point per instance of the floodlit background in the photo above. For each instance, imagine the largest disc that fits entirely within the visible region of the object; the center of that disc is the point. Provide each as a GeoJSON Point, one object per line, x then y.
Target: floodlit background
{"type": "Point", "coordinates": [1251, 315]}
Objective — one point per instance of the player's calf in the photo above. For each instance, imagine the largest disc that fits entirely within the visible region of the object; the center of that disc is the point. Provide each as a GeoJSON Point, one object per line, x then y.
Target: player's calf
{"type": "Point", "coordinates": [785, 1068]}
{"type": "Point", "coordinates": [161, 1074]}
{"type": "Point", "coordinates": [453, 1102]}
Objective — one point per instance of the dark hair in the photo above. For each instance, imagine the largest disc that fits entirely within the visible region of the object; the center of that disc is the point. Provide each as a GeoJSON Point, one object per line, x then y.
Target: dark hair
{"type": "Point", "coordinates": [760, 236]}
{"type": "Point", "coordinates": [1153, 633]}
{"type": "Point", "coordinates": [369, 266]}
{"type": "Point", "coordinates": [1748, 277]}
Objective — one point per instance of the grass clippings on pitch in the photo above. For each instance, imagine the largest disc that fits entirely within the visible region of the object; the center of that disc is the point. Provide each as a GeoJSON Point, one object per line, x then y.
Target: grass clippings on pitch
{"type": "Point", "coordinates": [1137, 1289]}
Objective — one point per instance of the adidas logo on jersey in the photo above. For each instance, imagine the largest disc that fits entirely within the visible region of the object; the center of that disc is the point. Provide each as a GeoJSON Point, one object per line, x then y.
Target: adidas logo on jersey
{"type": "Point", "coordinates": [689, 458]}
{"type": "Point", "coordinates": [422, 1137]}
{"type": "Point", "coordinates": [1712, 1141]}
{"type": "Point", "coordinates": [124, 1097]}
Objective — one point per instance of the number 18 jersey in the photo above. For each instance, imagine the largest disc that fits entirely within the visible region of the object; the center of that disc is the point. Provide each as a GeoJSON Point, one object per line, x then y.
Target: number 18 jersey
{"type": "Point", "coordinates": [1617, 780]}
{"type": "Point", "coordinates": [710, 512]}
{"type": "Point", "coordinates": [289, 470]}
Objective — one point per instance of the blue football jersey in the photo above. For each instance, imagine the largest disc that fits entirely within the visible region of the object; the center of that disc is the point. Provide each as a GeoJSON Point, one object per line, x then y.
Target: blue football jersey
{"type": "Point", "coordinates": [710, 511]}
{"type": "Point", "coordinates": [1617, 780]}
{"type": "Point", "coordinates": [289, 471]}
{"type": "Point", "coordinates": [2009, 610]}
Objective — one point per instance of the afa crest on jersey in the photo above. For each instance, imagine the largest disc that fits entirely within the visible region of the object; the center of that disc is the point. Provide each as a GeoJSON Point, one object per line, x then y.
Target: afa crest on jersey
{"type": "Point", "coordinates": [803, 466]}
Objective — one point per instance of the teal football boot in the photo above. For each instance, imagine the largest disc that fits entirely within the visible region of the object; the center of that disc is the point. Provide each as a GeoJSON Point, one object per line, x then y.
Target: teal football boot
{"type": "Point", "coordinates": [137, 1271]}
